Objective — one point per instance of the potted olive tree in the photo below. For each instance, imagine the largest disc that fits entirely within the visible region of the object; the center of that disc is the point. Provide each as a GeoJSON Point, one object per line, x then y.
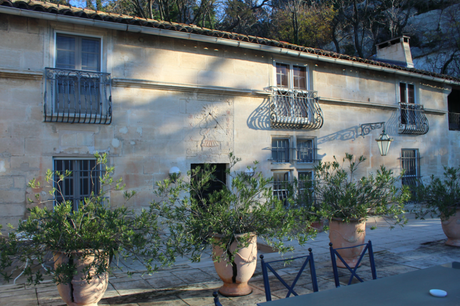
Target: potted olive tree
{"type": "Point", "coordinates": [441, 199]}
{"type": "Point", "coordinates": [347, 202]}
{"type": "Point", "coordinates": [229, 220]}
{"type": "Point", "coordinates": [81, 241]}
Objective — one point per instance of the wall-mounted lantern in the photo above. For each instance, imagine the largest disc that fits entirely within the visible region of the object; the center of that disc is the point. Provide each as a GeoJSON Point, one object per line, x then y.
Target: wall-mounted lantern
{"type": "Point", "coordinates": [384, 141]}
{"type": "Point", "coordinates": [249, 172]}
{"type": "Point", "coordinates": [174, 173]}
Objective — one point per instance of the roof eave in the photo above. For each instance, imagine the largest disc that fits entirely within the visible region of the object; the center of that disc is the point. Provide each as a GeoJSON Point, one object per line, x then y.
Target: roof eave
{"type": "Point", "coordinates": [216, 40]}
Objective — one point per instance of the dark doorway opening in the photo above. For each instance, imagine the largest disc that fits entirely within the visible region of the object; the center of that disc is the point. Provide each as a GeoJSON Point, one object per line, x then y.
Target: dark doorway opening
{"type": "Point", "coordinates": [218, 182]}
{"type": "Point", "coordinates": [453, 106]}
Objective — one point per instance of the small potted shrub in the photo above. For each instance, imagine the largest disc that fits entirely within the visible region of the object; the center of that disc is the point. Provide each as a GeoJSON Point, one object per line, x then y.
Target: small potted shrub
{"type": "Point", "coordinates": [441, 199]}
{"type": "Point", "coordinates": [347, 202]}
{"type": "Point", "coordinates": [229, 220]}
{"type": "Point", "coordinates": [81, 241]}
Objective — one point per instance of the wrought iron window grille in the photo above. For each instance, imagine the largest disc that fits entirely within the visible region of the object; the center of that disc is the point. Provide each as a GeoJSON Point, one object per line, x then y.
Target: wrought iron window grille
{"type": "Point", "coordinates": [80, 184]}
{"type": "Point", "coordinates": [294, 155]}
{"type": "Point", "coordinates": [281, 153]}
{"type": "Point", "coordinates": [304, 189]}
{"type": "Point", "coordinates": [295, 109]}
{"type": "Point", "coordinates": [411, 167]}
{"type": "Point", "coordinates": [77, 96]}
{"type": "Point", "coordinates": [412, 119]}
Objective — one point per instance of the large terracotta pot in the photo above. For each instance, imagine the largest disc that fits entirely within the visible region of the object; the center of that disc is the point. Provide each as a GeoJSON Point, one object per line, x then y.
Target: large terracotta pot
{"type": "Point", "coordinates": [451, 228]}
{"type": "Point", "coordinates": [79, 292]}
{"type": "Point", "coordinates": [237, 274]}
{"type": "Point", "coordinates": [342, 235]}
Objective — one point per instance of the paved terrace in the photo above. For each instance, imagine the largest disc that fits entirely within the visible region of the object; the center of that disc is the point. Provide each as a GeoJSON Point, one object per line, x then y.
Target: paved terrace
{"type": "Point", "coordinates": [418, 245]}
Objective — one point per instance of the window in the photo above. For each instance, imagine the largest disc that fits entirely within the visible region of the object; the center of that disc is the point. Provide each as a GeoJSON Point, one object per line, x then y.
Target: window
{"type": "Point", "coordinates": [305, 178]}
{"type": "Point", "coordinates": [218, 182]}
{"type": "Point", "coordinates": [412, 119]}
{"type": "Point", "coordinates": [291, 76]}
{"type": "Point", "coordinates": [82, 181]}
{"type": "Point", "coordinates": [300, 155]}
{"type": "Point", "coordinates": [407, 99]}
{"type": "Point", "coordinates": [78, 52]}
{"type": "Point", "coordinates": [453, 106]}
{"type": "Point", "coordinates": [305, 151]}
{"type": "Point", "coordinates": [410, 164]}
{"type": "Point", "coordinates": [280, 150]}
{"type": "Point", "coordinates": [292, 104]}
{"type": "Point", "coordinates": [407, 93]}
{"type": "Point", "coordinates": [280, 185]}
{"type": "Point", "coordinates": [305, 192]}
{"type": "Point", "coordinates": [76, 90]}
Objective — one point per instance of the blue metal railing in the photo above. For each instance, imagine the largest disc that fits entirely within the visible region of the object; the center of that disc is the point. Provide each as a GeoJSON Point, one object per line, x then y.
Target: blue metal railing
{"type": "Point", "coordinates": [77, 96]}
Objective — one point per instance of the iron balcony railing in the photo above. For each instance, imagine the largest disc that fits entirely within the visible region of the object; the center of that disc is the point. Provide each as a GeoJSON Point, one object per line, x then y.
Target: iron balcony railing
{"type": "Point", "coordinates": [295, 109]}
{"type": "Point", "coordinates": [454, 121]}
{"type": "Point", "coordinates": [412, 119]}
{"type": "Point", "coordinates": [76, 96]}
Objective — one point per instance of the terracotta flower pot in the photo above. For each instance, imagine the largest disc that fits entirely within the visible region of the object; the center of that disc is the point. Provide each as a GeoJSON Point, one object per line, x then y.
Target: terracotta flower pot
{"type": "Point", "coordinates": [80, 292]}
{"type": "Point", "coordinates": [451, 228]}
{"type": "Point", "coordinates": [237, 274]}
{"type": "Point", "coordinates": [342, 234]}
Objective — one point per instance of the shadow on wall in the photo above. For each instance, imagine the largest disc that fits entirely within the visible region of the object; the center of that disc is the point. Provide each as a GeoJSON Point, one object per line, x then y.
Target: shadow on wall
{"type": "Point", "coordinates": [348, 134]}
{"type": "Point", "coordinates": [259, 119]}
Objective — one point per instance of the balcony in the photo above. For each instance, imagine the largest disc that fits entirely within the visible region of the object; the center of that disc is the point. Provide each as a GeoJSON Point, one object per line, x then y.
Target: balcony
{"type": "Point", "coordinates": [412, 119]}
{"type": "Point", "coordinates": [454, 121]}
{"type": "Point", "coordinates": [75, 96]}
{"type": "Point", "coordinates": [295, 109]}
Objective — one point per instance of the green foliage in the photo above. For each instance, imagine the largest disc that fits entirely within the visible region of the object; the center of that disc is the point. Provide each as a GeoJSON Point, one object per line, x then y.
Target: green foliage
{"type": "Point", "coordinates": [245, 207]}
{"type": "Point", "coordinates": [440, 196]}
{"type": "Point", "coordinates": [307, 25]}
{"type": "Point", "coordinates": [94, 229]}
{"type": "Point", "coordinates": [340, 195]}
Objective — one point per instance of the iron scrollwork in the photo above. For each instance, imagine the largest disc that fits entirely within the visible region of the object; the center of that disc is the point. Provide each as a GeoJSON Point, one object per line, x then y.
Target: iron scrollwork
{"type": "Point", "coordinates": [76, 96]}
{"type": "Point", "coordinates": [295, 109]}
{"type": "Point", "coordinates": [412, 119]}
{"type": "Point", "coordinates": [366, 128]}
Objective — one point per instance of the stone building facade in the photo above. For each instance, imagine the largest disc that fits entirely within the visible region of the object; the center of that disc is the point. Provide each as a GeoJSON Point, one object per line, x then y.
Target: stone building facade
{"type": "Point", "coordinates": [156, 95]}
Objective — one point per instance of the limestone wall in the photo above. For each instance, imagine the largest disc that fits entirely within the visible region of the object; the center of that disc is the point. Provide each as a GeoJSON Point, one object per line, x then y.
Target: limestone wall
{"type": "Point", "coordinates": [179, 102]}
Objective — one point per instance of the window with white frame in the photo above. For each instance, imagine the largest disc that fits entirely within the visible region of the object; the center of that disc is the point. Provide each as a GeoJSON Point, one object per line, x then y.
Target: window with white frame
{"type": "Point", "coordinates": [281, 150]}
{"type": "Point", "coordinates": [82, 180]}
{"type": "Point", "coordinates": [291, 76]}
{"type": "Point", "coordinates": [407, 93]}
{"type": "Point", "coordinates": [305, 151]}
{"type": "Point", "coordinates": [281, 181]}
{"type": "Point", "coordinates": [77, 90]}
{"type": "Point", "coordinates": [302, 150]}
{"type": "Point", "coordinates": [410, 164]}
{"type": "Point", "coordinates": [78, 52]}
{"type": "Point", "coordinates": [299, 153]}
{"type": "Point", "coordinates": [407, 99]}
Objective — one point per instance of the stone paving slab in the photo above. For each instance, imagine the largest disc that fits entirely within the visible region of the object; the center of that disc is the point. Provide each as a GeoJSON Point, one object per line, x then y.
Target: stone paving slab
{"type": "Point", "coordinates": [419, 244]}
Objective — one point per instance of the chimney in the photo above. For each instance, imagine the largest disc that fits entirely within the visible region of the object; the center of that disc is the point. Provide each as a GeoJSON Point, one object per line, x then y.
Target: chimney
{"type": "Point", "coordinates": [395, 51]}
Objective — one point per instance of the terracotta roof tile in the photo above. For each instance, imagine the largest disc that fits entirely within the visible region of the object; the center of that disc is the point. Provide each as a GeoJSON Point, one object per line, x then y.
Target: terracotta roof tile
{"type": "Point", "coordinates": [118, 18]}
